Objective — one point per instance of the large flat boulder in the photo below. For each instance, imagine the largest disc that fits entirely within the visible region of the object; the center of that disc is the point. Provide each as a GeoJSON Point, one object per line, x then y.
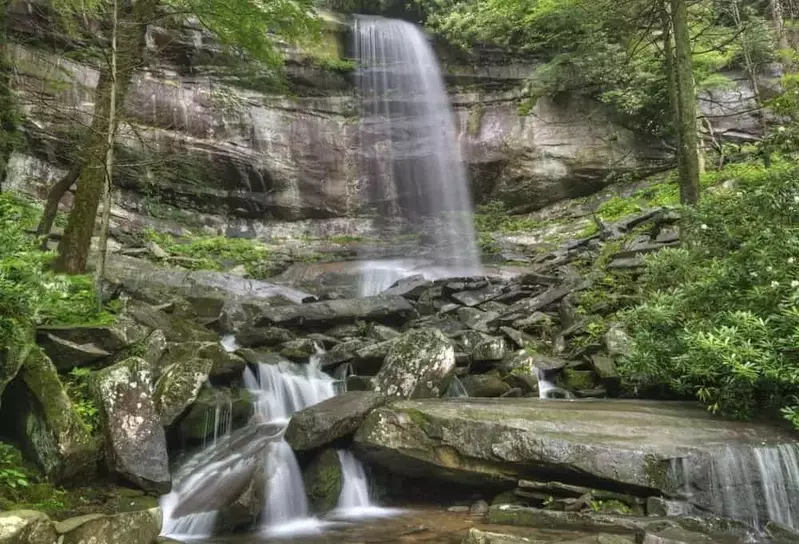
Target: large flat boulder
{"type": "Point", "coordinates": [26, 527]}
{"type": "Point", "coordinates": [628, 445]}
{"type": "Point", "coordinates": [382, 308]}
{"type": "Point", "coordinates": [135, 439]}
{"type": "Point", "coordinates": [334, 418]}
{"type": "Point", "coordinates": [139, 527]}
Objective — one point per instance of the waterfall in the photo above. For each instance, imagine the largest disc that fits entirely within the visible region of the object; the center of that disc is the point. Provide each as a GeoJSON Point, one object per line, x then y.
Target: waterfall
{"type": "Point", "coordinates": [755, 485]}
{"type": "Point", "coordinates": [213, 477]}
{"type": "Point", "coordinates": [547, 389]}
{"type": "Point", "coordinates": [410, 156]}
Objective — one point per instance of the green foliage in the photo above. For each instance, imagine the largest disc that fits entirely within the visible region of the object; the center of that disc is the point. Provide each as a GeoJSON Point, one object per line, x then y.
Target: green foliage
{"type": "Point", "coordinates": [29, 292]}
{"type": "Point", "coordinates": [494, 217]}
{"type": "Point", "coordinates": [77, 388]}
{"type": "Point", "coordinates": [720, 320]}
{"type": "Point", "coordinates": [13, 475]}
{"type": "Point", "coordinates": [215, 253]}
{"type": "Point", "coordinates": [608, 50]}
{"type": "Point", "coordinates": [254, 27]}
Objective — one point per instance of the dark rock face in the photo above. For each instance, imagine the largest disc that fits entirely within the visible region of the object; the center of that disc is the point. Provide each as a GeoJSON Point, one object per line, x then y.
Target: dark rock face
{"type": "Point", "coordinates": [621, 443]}
{"type": "Point", "coordinates": [330, 420]}
{"type": "Point", "coordinates": [135, 439]}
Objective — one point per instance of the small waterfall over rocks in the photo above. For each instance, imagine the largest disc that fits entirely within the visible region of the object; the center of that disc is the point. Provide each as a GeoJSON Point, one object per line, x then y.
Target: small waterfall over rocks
{"type": "Point", "coordinates": [751, 484]}
{"type": "Point", "coordinates": [213, 477]}
{"type": "Point", "coordinates": [410, 158]}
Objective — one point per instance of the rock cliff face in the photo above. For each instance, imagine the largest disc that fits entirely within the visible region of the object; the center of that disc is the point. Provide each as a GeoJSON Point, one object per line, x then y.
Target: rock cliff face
{"type": "Point", "coordinates": [202, 147]}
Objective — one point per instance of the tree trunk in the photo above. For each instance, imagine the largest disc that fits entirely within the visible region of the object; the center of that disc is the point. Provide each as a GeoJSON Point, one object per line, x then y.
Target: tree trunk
{"type": "Point", "coordinates": [671, 77]}
{"type": "Point", "coordinates": [687, 155]}
{"type": "Point", "coordinates": [8, 121]}
{"type": "Point", "coordinates": [109, 157]}
{"type": "Point", "coordinates": [73, 249]}
{"type": "Point", "coordinates": [54, 196]}
{"type": "Point", "coordinates": [778, 20]}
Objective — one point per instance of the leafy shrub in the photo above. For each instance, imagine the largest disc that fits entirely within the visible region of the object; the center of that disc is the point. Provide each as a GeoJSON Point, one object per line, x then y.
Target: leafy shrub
{"type": "Point", "coordinates": [77, 388]}
{"type": "Point", "coordinates": [720, 317]}
{"type": "Point", "coordinates": [13, 475]}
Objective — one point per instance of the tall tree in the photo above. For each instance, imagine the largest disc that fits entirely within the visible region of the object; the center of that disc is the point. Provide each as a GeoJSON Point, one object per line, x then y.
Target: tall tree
{"type": "Point", "coordinates": [687, 139]}
{"type": "Point", "coordinates": [249, 26]}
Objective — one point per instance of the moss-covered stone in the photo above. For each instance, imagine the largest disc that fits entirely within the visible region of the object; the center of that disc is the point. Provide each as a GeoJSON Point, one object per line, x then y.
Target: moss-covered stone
{"type": "Point", "coordinates": [50, 430]}
{"type": "Point", "coordinates": [484, 385]}
{"type": "Point", "coordinates": [576, 380]}
{"type": "Point", "coordinates": [139, 527]}
{"type": "Point", "coordinates": [323, 481]}
{"type": "Point", "coordinates": [178, 387]}
{"type": "Point", "coordinates": [419, 364]}
{"type": "Point", "coordinates": [26, 527]}
{"type": "Point", "coordinates": [11, 359]}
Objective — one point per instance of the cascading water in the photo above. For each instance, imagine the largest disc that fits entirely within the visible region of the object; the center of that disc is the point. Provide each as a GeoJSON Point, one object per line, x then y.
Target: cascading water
{"type": "Point", "coordinates": [410, 157]}
{"type": "Point", "coordinates": [214, 476]}
{"type": "Point", "coordinates": [754, 485]}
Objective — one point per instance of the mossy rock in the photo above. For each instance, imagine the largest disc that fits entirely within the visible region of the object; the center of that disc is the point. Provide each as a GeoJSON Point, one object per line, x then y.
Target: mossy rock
{"type": "Point", "coordinates": [577, 380]}
{"type": "Point", "coordinates": [323, 481]}
{"type": "Point", "coordinates": [51, 432]}
{"type": "Point", "coordinates": [178, 387]}
{"type": "Point", "coordinates": [11, 359]}
{"type": "Point", "coordinates": [419, 364]}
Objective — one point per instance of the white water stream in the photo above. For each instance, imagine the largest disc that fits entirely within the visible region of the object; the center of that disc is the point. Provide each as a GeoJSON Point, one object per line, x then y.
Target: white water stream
{"type": "Point", "coordinates": [206, 481]}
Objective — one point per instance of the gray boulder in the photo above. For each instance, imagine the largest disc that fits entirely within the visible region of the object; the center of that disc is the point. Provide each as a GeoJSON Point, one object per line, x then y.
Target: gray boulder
{"type": "Point", "coordinates": [419, 364]}
{"type": "Point", "coordinates": [331, 419]}
{"type": "Point", "coordinates": [178, 387]}
{"type": "Point", "coordinates": [216, 410]}
{"type": "Point", "coordinates": [484, 385]}
{"type": "Point", "coordinates": [26, 527]}
{"type": "Point", "coordinates": [140, 527]}
{"type": "Point", "coordinates": [135, 440]}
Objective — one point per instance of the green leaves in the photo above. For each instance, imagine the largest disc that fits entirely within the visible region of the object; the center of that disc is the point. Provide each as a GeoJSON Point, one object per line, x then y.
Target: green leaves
{"type": "Point", "coordinates": [720, 319]}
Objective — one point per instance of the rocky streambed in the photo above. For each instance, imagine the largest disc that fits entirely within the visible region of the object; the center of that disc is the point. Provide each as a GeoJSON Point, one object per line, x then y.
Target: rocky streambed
{"type": "Point", "coordinates": [169, 378]}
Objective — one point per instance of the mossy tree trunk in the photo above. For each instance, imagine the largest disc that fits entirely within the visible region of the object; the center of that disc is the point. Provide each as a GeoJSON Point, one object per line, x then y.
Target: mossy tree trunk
{"type": "Point", "coordinates": [74, 247]}
{"type": "Point", "coordinates": [8, 120]}
{"type": "Point", "coordinates": [687, 150]}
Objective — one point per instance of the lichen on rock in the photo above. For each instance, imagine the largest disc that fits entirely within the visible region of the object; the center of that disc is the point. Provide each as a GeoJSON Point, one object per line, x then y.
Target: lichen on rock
{"type": "Point", "coordinates": [419, 364]}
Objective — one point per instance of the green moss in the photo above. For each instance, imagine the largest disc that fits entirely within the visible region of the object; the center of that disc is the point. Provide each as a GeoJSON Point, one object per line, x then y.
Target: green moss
{"type": "Point", "coordinates": [419, 418]}
{"type": "Point", "coordinates": [494, 217]}
{"type": "Point", "coordinates": [578, 379]}
{"type": "Point", "coordinates": [610, 506]}
{"type": "Point", "coordinates": [323, 481]}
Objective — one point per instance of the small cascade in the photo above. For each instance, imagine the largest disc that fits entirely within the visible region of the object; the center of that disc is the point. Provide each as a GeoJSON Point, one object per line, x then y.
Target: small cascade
{"type": "Point", "coordinates": [547, 389]}
{"type": "Point", "coordinates": [212, 478]}
{"type": "Point", "coordinates": [354, 501]}
{"type": "Point", "coordinates": [455, 389]}
{"type": "Point", "coordinates": [754, 485]}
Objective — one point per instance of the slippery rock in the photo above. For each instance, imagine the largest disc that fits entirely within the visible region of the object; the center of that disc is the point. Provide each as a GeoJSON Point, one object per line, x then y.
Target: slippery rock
{"type": "Point", "coordinates": [331, 419]}
{"type": "Point", "coordinates": [67, 355]}
{"type": "Point", "coordinates": [482, 441]}
{"type": "Point", "coordinates": [298, 350]}
{"type": "Point", "coordinates": [323, 481]}
{"type": "Point", "coordinates": [130, 527]}
{"type": "Point", "coordinates": [256, 337]}
{"type": "Point", "coordinates": [52, 432]}
{"type": "Point", "coordinates": [26, 527]}
{"type": "Point", "coordinates": [382, 308]}
{"type": "Point", "coordinates": [135, 440]}
{"type": "Point", "coordinates": [242, 512]}
{"type": "Point", "coordinates": [230, 408]}
{"type": "Point", "coordinates": [418, 365]}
